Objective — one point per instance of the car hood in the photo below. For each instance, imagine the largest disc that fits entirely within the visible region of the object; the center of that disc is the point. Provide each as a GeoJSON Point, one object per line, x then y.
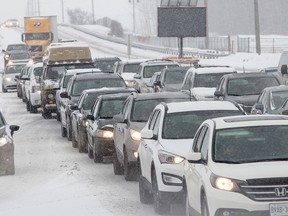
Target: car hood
{"type": "Point", "coordinates": [128, 76]}
{"type": "Point", "coordinates": [172, 87]}
{"type": "Point", "coordinates": [248, 100]}
{"type": "Point", "coordinates": [202, 93]}
{"type": "Point", "coordinates": [177, 146]}
{"type": "Point", "coordinates": [250, 170]}
{"type": "Point", "coordinates": [138, 126]}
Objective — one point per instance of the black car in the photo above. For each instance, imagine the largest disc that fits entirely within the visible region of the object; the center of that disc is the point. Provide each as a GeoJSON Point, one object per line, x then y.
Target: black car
{"type": "Point", "coordinates": [82, 109]}
{"type": "Point", "coordinates": [244, 88]}
{"type": "Point", "coordinates": [100, 125]}
{"type": "Point", "coordinates": [76, 85]}
{"type": "Point", "coordinates": [7, 165]}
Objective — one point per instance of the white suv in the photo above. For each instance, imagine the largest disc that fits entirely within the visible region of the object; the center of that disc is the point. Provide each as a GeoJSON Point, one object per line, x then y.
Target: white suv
{"type": "Point", "coordinates": [165, 140]}
{"type": "Point", "coordinates": [237, 166]}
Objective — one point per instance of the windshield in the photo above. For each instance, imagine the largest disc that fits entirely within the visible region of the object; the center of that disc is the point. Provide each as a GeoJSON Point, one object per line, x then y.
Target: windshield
{"type": "Point", "coordinates": [131, 68]}
{"type": "Point", "coordinates": [143, 108]}
{"type": "Point", "coordinates": [38, 71]}
{"type": "Point", "coordinates": [66, 80]}
{"type": "Point", "coordinates": [37, 36]}
{"type": "Point", "coordinates": [150, 70]}
{"type": "Point", "coordinates": [82, 85]}
{"type": "Point", "coordinates": [278, 98]}
{"type": "Point", "coordinates": [105, 65]}
{"type": "Point", "coordinates": [183, 125]}
{"type": "Point", "coordinates": [17, 47]}
{"type": "Point", "coordinates": [55, 73]}
{"type": "Point", "coordinates": [174, 77]}
{"type": "Point", "coordinates": [249, 85]}
{"type": "Point", "coordinates": [14, 69]}
{"type": "Point", "coordinates": [207, 80]}
{"type": "Point", "coordinates": [19, 55]}
{"type": "Point", "coordinates": [111, 107]}
{"type": "Point", "coordinates": [251, 144]}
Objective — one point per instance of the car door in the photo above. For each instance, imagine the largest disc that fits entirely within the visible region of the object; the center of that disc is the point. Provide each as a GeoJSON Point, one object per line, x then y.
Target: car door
{"type": "Point", "coordinates": [198, 171]}
{"type": "Point", "coordinates": [148, 147]}
{"type": "Point", "coordinates": [121, 128]}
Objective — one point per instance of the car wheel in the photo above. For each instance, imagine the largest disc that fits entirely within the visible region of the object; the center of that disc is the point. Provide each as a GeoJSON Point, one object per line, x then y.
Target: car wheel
{"type": "Point", "coordinates": [63, 131]}
{"type": "Point", "coordinates": [90, 152]}
{"type": "Point", "coordinates": [33, 109]}
{"type": "Point", "coordinates": [144, 194]}
{"type": "Point", "coordinates": [46, 114]}
{"type": "Point", "coordinates": [58, 117]}
{"type": "Point", "coordinates": [96, 156]}
{"type": "Point", "coordinates": [3, 89]}
{"type": "Point", "coordinates": [28, 106]}
{"type": "Point", "coordinates": [160, 206]}
{"type": "Point", "coordinates": [74, 141]}
{"type": "Point", "coordinates": [68, 129]}
{"type": "Point", "coordinates": [11, 169]}
{"type": "Point", "coordinates": [130, 170]}
{"type": "Point", "coordinates": [117, 166]}
{"type": "Point", "coordinates": [204, 206]}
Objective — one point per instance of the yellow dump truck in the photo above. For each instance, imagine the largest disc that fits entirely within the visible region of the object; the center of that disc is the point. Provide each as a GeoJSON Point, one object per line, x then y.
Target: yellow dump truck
{"type": "Point", "coordinates": [39, 32]}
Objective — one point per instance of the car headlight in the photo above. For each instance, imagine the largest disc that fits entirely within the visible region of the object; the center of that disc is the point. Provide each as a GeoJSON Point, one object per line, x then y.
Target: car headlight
{"type": "Point", "coordinates": [166, 157]}
{"type": "Point", "coordinates": [223, 183]}
{"type": "Point", "coordinates": [136, 135]}
{"type": "Point", "coordinates": [8, 79]}
{"type": "Point", "coordinates": [129, 82]}
{"type": "Point", "coordinates": [6, 57]}
{"type": "Point", "coordinates": [104, 134]}
{"type": "Point", "coordinates": [30, 61]}
{"type": "Point", "coordinates": [4, 140]}
{"type": "Point", "coordinates": [84, 123]}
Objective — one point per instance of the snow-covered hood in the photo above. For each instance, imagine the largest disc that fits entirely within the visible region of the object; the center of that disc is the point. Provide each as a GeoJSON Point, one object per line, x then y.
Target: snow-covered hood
{"type": "Point", "coordinates": [128, 76]}
{"type": "Point", "coordinates": [247, 100]}
{"type": "Point", "coordinates": [51, 84]}
{"type": "Point", "coordinates": [203, 93]}
{"type": "Point", "coordinates": [138, 126]}
{"type": "Point", "coordinates": [177, 146]}
{"type": "Point", "coordinates": [250, 170]}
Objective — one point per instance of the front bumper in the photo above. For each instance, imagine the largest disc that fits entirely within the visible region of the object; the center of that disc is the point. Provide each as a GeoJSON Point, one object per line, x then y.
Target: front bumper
{"type": "Point", "coordinates": [104, 147]}
{"type": "Point", "coordinates": [6, 156]}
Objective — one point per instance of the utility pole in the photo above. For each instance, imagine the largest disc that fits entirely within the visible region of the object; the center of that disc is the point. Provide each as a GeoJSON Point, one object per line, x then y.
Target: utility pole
{"type": "Point", "coordinates": [93, 13]}
{"type": "Point", "coordinates": [134, 14]}
{"type": "Point", "coordinates": [62, 4]}
{"type": "Point", "coordinates": [257, 27]}
{"type": "Point", "coordinates": [207, 29]}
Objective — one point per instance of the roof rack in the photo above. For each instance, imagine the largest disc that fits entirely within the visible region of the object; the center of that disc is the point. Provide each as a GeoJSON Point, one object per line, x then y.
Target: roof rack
{"type": "Point", "coordinates": [154, 60]}
{"type": "Point", "coordinates": [184, 60]}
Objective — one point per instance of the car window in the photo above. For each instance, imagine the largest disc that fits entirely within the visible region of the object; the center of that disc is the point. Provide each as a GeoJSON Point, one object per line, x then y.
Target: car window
{"type": "Point", "coordinates": [131, 68]}
{"type": "Point", "coordinates": [111, 107]}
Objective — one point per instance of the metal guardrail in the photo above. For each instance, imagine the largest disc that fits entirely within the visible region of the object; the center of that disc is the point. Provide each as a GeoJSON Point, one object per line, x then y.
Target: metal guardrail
{"type": "Point", "coordinates": [202, 54]}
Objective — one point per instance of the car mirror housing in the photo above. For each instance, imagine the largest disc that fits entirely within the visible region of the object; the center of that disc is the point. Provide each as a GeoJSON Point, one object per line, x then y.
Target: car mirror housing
{"type": "Point", "coordinates": [90, 117]}
{"type": "Point", "coordinates": [218, 93]}
{"type": "Point", "coordinates": [74, 107]}
{"type": "Point", "coordinates": [137, 76]}
{"type": "Point", "coordinates": [147, 134]}
{"type": "Point", "coordinates": [284, 69]}
{"type": "Point", "coordinates": [64, 94]}
{"type": "Point", "coordinates": [193, 157]}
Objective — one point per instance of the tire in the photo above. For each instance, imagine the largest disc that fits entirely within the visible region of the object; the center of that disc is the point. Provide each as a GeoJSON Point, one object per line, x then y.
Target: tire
{"type": "Point", "coordinates": [33, 109]}
{"type": "Point", "coordinates": [46, 114]}
{"type": "Point", "coordinates": [11, 169]}
{"type": "Point", "coordinates": [90, 152]}
{"type": "Point", "coordinates": [98, 158]}
{"type": "Point", "coordinates": [28, 106]}
{"type": "Point", "coordinates": [58, 117]}
{"type": "Point", "coordinates": [63, 131]}
{"type": "Point", "coordinates": [68, 129]}
{"type": "Point", "coordinates": [204, 206]}
{"type": "Point", "coordinates": [117, 166]}
{"type": "Point", "coordinates": [144, 194]}
{"type": "Point", "coordinates": [3, 89]}
{"type": "Point", "coordinates": [74, 141]}
{"type": "Point", "coordinates": [160, 206]}
{"type": "Point", "coordinates": [130, 170]}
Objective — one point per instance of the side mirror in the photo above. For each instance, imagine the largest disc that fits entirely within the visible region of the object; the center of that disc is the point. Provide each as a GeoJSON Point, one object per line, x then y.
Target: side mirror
{"type": "Point", "coordinates": [157, 83]}
{"type": "Point", "coordinates": [119, 118]}
{"type": "Point", "coordinates": [193, 157]}
{"type": "Point", "coordinates": [3, 51]}
{"type": "Point", "coordinates": [147, 134]}
{"type": "Point", "coordinates": [14, 128]}
{"type": "Point", "coordinates": [90, 117]}
{"type": "Point", "coordinates": [285, 112]}
{"type": "Point", "coordinates": [218, 93]}
{"type": "Point", "coordinates": [284, 69]}
{"type": "Point", "coordinates": [259, 107]}
{"type": "Point", "coordinates": [64, 95]}
{"type": "Point", "coordinates": [74, 107]}
{"type": "Point", "coordinates": [17, 77]}
{"type": "Point", "coordinates": [137, 76]}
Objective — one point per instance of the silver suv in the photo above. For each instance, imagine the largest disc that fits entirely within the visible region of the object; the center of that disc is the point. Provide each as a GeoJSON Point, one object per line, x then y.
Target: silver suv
{"type": "Point", "coordinates": [147, 69]}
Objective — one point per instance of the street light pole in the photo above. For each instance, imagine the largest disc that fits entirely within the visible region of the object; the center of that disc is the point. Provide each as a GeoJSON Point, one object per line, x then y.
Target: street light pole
{"type": "Point", "coordinates": [134, 14]}
{"type": "Point", "coordinates": [257, 27]}
{"type": "Point", "coordinates": [93, 14]}
{"type": "Point", "coordinates": [62, 4]}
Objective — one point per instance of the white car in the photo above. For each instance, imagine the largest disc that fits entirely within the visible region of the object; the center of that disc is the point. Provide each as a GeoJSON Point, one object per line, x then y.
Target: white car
{"type": "Point", "coordinates": [32, 87]}
{"type": "Point", "coordinates": [165, 140]}
{"type": "Point", "coordinates": [237, 166]}
{"type": "Point", "coordinates": [9, 76]}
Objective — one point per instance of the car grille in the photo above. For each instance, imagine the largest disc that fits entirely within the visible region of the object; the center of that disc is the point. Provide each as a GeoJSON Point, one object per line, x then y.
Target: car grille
{"type": "Point", "coordinates": [270, 189]}
{"type": "Point", "coordinates": [36, 48]}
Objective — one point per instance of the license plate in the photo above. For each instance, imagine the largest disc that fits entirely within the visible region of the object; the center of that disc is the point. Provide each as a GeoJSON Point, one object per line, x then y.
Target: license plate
{"type": "Point", "coordinates": [279, 209]}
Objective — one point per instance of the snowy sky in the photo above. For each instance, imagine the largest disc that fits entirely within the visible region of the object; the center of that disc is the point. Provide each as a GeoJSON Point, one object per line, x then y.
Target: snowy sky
{"type": "Point", "coordinates": [120, 9]}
